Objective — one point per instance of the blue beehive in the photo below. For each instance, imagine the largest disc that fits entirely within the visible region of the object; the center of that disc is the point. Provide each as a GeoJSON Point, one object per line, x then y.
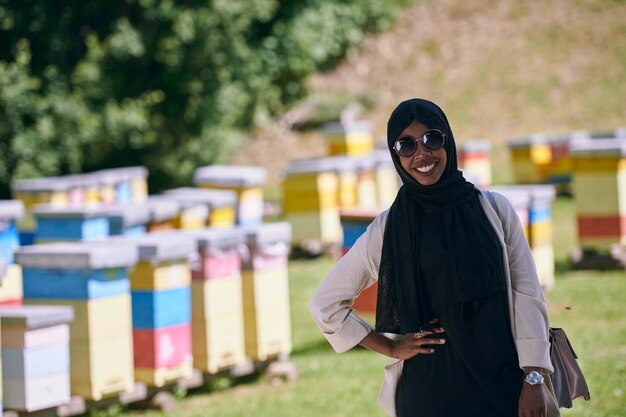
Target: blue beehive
{"type": "Point", "coordinates": [71, 223]}
{"type": "Point", "coordinates": [73, 271]}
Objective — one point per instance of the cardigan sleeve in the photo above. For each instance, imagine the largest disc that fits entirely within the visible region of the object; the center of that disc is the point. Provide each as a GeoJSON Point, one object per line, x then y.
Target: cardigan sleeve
{"type": "Point", "coordinates": [331, 304]}
{"type": "Point", "coordinates": [529, 305]}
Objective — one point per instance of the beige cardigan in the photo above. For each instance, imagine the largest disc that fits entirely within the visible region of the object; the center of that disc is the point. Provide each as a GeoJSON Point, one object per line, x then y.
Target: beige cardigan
{"type": "Point", "coordinates": [331, 304]}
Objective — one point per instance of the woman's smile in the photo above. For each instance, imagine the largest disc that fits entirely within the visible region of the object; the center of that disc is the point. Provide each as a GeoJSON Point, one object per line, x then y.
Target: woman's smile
{"type": "Point", "coordinates": [425, 166]}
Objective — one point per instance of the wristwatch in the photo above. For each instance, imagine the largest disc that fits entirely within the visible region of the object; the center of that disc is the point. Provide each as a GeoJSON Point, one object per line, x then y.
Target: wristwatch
{"type": "Point", "coordinates": [533, 378]}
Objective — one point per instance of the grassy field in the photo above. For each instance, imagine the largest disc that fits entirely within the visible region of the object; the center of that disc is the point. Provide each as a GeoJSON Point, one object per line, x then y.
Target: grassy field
{"type": "Point", "coordinates": [589, 305]}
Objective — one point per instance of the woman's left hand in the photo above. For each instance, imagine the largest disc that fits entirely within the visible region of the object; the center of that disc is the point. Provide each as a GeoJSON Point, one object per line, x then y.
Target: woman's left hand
{"type": "Point", "coordinates": [532, 401]}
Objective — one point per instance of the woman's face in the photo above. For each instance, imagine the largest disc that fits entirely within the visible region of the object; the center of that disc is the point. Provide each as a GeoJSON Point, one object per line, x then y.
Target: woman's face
{"type": "Point", "coordinates": [425, 166]}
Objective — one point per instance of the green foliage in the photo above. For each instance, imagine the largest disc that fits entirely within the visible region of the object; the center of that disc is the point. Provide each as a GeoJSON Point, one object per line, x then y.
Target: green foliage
{"type": "Point", "coordinates": [162, 83]}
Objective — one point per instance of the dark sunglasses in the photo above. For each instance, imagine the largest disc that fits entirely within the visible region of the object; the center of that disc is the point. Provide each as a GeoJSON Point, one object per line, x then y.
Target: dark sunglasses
{"type": "Point", "coordinates": [433, 139]}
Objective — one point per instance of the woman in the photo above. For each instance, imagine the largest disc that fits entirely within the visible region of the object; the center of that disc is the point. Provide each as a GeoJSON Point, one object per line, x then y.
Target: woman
{"type": "Point", "coordinates": [455, 278]}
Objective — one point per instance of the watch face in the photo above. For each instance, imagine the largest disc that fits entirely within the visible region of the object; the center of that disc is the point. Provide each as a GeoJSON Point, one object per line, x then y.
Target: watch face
{"type": "Point", "coordinates": [534, 378]}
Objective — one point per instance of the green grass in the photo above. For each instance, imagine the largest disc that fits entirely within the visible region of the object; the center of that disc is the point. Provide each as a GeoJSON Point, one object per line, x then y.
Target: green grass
{"type": "Point", "coordinates": [589, 305]}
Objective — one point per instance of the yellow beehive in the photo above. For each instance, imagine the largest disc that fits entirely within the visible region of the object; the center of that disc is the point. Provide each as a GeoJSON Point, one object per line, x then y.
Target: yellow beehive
{"type": "Point", "coordinates": [11, 292]}
{"type": "Point", "coordinates": [222, 217]}
{"type": "Point", "coordinates": [218, 340]}
{"type": "Point", "coordinates": [30, 192]}
{"type": "Point", "coordinates": [216, 300]}
{"type": "Point", "coordinates": [164, 275]}
{"type": "Point", "coordinates": [354, 139]}
{"type": "Point", "coordinates": [531, 159]}
{"type": "Point", "coordinates": [387, 180]}
{"type": "Point", "coordinates": [162, 263]}
{"type": "Point", "coordinates": [163, 213]}
{"type": "Point", "coordinates": [192, 217]}
{"type": "Point", "coordinates": [162, 376]}
{"type": "Point", "coordinates": [101, 345]}
{"type": "Point", "coordinates": [599, 187]}
{"type": "Point", "coordinates": [265, 286]}
{"type": "Point", "coordinates": [366, 183]}
{"type": "Point", "coordinates": [266, 320]}
{"type": "Point", "coordinates": [312, 190]}
{"type": "Point", "coordinates": [221, 204]}
{"type": "Point", "coordinates": [323, 226]}
{"type": "Point", "coordinates": [101, 368]}
{"type": "Point", "coordinates": [246, 182]}
{"type": "Point", "coordinates": [347, 196]}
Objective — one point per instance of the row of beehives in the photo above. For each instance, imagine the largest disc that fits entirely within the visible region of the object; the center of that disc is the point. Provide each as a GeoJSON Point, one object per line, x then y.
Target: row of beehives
{"type": "Point", "coordinates": [227, 195]}
{"type": "Point", "coordinates": [543, 158]}
{"type": "Point", "coordinates": [140, 309]}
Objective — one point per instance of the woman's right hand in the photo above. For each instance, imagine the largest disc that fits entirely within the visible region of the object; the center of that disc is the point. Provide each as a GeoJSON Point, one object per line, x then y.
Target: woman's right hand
{"type": "Point", "coordinates": [413, 344]}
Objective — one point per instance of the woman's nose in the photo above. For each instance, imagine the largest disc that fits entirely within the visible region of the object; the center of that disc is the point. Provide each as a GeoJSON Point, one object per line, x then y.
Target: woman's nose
{"type": "Point", "coordinates": [421, 149]}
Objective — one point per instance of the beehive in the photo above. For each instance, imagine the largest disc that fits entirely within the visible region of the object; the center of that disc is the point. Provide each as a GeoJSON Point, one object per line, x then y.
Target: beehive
{"type": "Point", "coordinates": [11, 292]}
{"type": "Point", "coordinates": [599, 186]}
{"type": "Point", "coordinates": [541, 232]}
{"type": "Point", "coordinates": [217, 301]}
{"type": "Point", "coordinates": [161, 299]}
{"type": "Point", "coordinates": [70, 223]}
{"type": "Point", "coordinates": [353, 139]}
{"type": "Point", "coordinates": [531, 159]}
{"type": "Point", "coordinates": [247, 182]}
{"type": "Point", "coordinates": [533, 205]}
{"type": "Point", "coordinates": [387, 179]}
{"type": "Point", "coordinates": [519, 196]}
{"type": "Point", "coordinates": [35, 357]}
{"type": "Point", "coordinates": [311, 191]}
{"type": "Point", "coordinates": [125, 185]}
{"type": "Point", "coordinates": [189, 215]}
{"type": "Point", "coordinates": [221, 204]}
{"type": "Point", "coordinates": [354, 223]}
{"type": "Point", "coordinates": [474, 159]}
{"type": "Point", "coordinates": [164, 212]}
{"type": "Point", "coordinates": [128, 219]}
{"type": "Point", "coordinates": [267, 322]}
{"type": "Point", "coordinates": [101, 334]}
{"type": "Point", "coordinates": [560, 172]}
{"type": "Point", "coordinates": [36, 191]}
{"type": "Point", "coordinates": [366, 182]}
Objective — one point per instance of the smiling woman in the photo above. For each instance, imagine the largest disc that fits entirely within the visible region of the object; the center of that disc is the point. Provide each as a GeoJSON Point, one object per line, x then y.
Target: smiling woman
{"type": "Point", "coordinates": [471, 316]}
{"type": "Point", "coordinates": [428, 161]}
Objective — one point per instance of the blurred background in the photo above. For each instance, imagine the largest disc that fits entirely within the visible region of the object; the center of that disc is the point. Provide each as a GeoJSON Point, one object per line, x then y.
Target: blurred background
{"type": "Point", "coordinates": [534, 92]}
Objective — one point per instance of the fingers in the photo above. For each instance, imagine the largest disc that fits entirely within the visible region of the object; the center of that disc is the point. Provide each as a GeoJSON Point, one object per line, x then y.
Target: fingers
{"type": "Point", "coordinates": [416, 344]}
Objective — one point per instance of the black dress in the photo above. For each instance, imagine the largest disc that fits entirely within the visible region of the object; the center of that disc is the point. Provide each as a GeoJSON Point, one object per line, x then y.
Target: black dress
{"type": "Point", "coordinates": [476, 372]}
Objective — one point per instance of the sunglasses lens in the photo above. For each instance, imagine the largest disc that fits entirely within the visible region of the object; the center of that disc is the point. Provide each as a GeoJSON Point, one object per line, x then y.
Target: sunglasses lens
{"type": "Point", "coordinates": [433, 140]}
{"type": "Point", "coordinates": [406, 146]}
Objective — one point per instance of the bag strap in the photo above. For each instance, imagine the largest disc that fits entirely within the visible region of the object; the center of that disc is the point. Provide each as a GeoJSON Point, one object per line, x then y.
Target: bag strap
{"type": "Point", "coordinates": [492, 201]}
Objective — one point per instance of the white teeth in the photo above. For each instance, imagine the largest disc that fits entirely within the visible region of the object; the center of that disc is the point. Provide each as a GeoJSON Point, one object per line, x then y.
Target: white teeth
{"type": "Point", "coordinates": [426, 168]}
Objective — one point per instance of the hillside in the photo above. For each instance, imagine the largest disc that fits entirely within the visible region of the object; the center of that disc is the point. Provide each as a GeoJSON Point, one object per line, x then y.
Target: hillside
{"type": "Point", "coordinates": [499, 68]}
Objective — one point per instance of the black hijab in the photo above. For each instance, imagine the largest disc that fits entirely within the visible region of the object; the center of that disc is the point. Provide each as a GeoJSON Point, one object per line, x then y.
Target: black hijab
{"type": "Point", "coordinates": [475, 254]}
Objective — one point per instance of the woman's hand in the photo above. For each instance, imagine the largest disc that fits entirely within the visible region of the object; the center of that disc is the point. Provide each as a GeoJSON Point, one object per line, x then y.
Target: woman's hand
{"type": "Point", "coordinates": [415, 344]}
{"type": "Point", "coordinates": [532, 401]}
{"type": "Point", "coordinates": [407, 346]}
